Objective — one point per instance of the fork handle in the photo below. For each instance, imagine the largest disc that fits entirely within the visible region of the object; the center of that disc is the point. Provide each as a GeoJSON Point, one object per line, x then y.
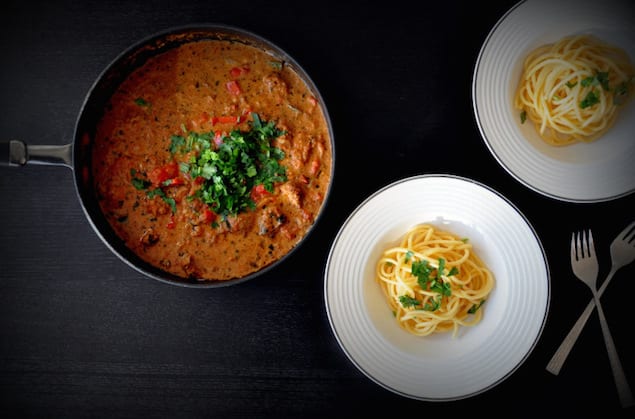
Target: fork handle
{"type": "Point", "coordinates": [623, 389]}
{"type": "Point", "coordinates": [561, 354]}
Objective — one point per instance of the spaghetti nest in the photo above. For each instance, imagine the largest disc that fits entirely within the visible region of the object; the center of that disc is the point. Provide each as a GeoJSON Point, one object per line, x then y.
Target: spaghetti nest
{"type": "Point", "coordinates": [433, 281]}
{"type": "Point", "coordinates": [571, 89]}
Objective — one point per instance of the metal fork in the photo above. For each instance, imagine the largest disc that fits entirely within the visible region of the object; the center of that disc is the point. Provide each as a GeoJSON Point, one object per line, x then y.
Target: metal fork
{"type": "Point", "coordinates": [585, 266]}
{"type": "Point", "coordinates": [622, 253]}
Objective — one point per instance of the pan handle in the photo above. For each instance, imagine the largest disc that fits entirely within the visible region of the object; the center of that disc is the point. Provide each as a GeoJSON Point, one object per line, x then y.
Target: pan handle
{"type": "Point", "coordinates": [17, 153]}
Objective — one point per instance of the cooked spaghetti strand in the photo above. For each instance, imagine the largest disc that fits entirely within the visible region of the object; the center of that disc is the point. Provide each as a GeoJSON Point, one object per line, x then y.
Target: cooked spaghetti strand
{"type": "Point", "coordinates": [572, 89]}
{"type": "Point", "coordinates": [433, 281]}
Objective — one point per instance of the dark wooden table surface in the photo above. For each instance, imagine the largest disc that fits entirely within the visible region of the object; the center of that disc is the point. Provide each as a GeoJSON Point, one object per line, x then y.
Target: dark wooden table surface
{"type": "Point", "coordinates": [84, 335]}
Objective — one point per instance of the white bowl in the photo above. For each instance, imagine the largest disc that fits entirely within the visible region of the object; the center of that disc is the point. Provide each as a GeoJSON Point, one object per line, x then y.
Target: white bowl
{"type": "Point", "coordinates": [438, 367]}
{"type": "Point", "coordinates": [586, 172]}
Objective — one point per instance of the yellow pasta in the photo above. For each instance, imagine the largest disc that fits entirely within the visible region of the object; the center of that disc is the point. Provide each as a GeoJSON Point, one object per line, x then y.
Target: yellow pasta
{"type": "Point", "coordinates": [424, 301]}
{"type": "Point", "coordinates": [572, 89]}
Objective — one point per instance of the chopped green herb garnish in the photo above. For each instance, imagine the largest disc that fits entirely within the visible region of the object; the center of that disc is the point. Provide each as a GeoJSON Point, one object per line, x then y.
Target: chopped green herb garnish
{"type": "Point", "coordinates": [441, 287]}
{"type": "Point", "coordinates": [603, 79]}
{"type": "Point", "coordinates": [176, 142]}
{"type": "Point", "coordinates": [408, 301]}
{"type": "Point", "coordinates": [429, 278]}
{"type": "Point", "coordinates": [434, 305]}
{"type": "Point", "coordinates": [589, 81]}
{"type": "Point", "coordinates": [276, 64]}
{"type": "Point", "coordinates": [621, 92]}
{"type": "Point", "coordinates": [600, 78]}
{"type": "Point", "coordinates": [161, 194]}
{"type": "Point", "coordinates": [422, 270]}
{"type": "Point", "coordinates": [232, 165]}
{"type": "Point", "coordinates": [523, 116]}
{"type": "Point", "coordinates": [140, 184]}
{"type": "Point", "coordinates": [137, 182]}
{"type": "Point", "coordinates": [441, 268]}
{"type": "Point", "coordinates": [475, 307]}
{"type": "Point", "coordinates": [171, 202]}
{"type": "Point", "coordinates": [590, 99]}
{"type": "Point", "coordinates": [141, 102]}
{"type": "Point", "coordinates": [143, 185]}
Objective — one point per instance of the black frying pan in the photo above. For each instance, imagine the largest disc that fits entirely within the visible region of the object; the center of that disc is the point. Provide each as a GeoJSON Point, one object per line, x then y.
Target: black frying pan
{"type": "Point", "coordinates": [77, 155]}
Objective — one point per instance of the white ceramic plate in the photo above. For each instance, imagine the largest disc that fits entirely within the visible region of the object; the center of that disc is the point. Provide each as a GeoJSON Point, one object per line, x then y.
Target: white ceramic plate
{"type": "Point", "coordinates": [595, 172]}
{"type": "Point", "coordinates": [438, 367]}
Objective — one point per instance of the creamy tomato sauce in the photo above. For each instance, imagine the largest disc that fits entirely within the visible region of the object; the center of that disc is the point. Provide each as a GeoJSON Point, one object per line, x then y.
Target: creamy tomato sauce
{"type": "Point", "coordinates": [208, 86]}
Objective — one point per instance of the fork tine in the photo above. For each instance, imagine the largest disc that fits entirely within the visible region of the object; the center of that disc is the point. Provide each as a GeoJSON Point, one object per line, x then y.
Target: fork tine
{"type": "Point", "coordinates": [583, 245]}
{"type": "Point", "coordinates": [573, 247]}
{"type": "Point", "coordinates": [629, 232]}
{"type": "Point", "coordinates": [591, 248]}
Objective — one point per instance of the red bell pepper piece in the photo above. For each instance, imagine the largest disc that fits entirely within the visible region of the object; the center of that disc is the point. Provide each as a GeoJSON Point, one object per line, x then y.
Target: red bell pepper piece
{"type": "Point", "coordinates": [258, 192]}
{"type": "Point", "coordinates": [208, 216]}
{"type": "Point", "coordinates": [227, 119]}
{"type": "Point", "coordinates": [238, 71]}
{"type": "Point", "coordinates": [163, 173]}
